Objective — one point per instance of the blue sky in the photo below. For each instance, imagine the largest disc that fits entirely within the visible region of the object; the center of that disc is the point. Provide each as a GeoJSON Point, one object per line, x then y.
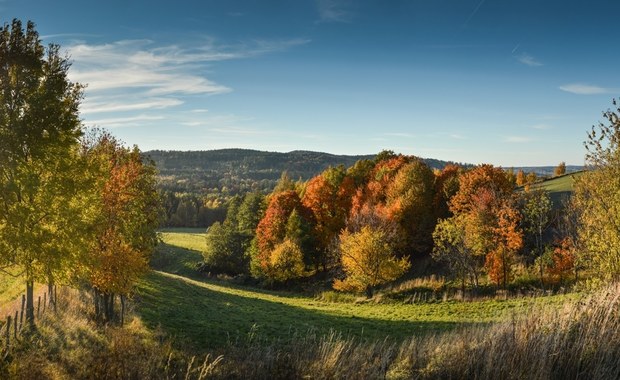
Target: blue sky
{"type": "Point", "coordinates": [511, 83]}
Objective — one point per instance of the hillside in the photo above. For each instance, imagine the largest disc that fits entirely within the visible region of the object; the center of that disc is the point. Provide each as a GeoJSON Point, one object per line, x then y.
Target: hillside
{"type": "Point", "coordinates": [558, 188]}
{"type": "Point", "coordinates": [232, 171]}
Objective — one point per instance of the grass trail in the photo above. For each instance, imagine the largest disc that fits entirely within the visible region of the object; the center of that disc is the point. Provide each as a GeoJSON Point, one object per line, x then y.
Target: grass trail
{"type": "Point", "coordinates": [205, 313]}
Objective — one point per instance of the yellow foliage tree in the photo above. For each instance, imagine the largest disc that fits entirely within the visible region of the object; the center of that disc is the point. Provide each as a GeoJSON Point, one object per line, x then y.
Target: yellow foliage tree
{"type": "Point", "coordinates": [286, 261]}
{"type": "Point", "coordinates": [368, 260]}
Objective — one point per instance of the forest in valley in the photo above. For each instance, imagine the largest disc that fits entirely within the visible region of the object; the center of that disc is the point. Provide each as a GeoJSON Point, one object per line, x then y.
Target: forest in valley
{"type": "Point", "coordinates": [316, 275]}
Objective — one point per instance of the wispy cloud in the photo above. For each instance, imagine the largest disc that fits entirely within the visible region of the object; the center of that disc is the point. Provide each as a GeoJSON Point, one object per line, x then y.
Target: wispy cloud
{"type": "Point", "coordinates": [399, 134]}
{"type": "Point", "coordinates": [542, 126]}
{"type": "Point", "coordinates": [154, 103]}
{"type": "Point", "coordinates": [334, 11]}
{"type": "Point", "coordinates": [138, 75]}
{"type": "Point", "coordinates": [472, 14]}
{"type": "Point", "coordinates": [528, 60]}
{"type": "Point", "coordinates": [130, 121]}
{"type": "Point", "coordinates": [586, 89]}
{"type": "Point", "coordinates": [517, 139]}
{"type": "Point", "coordinates": [457, 136]}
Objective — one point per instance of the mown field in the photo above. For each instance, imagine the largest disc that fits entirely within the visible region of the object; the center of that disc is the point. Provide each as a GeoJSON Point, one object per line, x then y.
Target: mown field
{"type": "Point", "coordinates": [204, 313]}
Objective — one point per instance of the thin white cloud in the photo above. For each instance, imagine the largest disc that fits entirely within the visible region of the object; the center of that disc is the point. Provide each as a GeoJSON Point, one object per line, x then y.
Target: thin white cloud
{"type": "Point", "coordinates": [130, 75]}
{"type": "Point", "coordinates": [153, 103]}
{"type": "Point", "coordinates": [237, 131]}
{"type": "Point", "coordinates": [400, 134]}
{"type": "Point", "coordinates": [528, 60]}
{"type": "Point", "coordinates": [542, 126]}
{"type": "Point", "coordinates": [517, 139]}
{"type": "Point", "coordinates": [334, 11]}
{"type": "Point", "coordinates": [586, 89]}
{"type": "Point", "coordinates": [457, 137]}
{"type": "Point", "coordinates": [124, 121]}
{"type": "Point", "coordinates": [473, 13]}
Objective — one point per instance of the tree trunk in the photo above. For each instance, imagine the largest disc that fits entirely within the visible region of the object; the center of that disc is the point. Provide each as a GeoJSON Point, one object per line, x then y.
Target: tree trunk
{"type": "Point", "coordinates": [122, 310]}
{"type": "Point", "coordinates": [369, 291]}
{"type": "Point", "coordinates": [542, 275]}
{"type": "Point", "coordinates": [30, 303]}
{"type": "Point", "coordinates": [50, 292]}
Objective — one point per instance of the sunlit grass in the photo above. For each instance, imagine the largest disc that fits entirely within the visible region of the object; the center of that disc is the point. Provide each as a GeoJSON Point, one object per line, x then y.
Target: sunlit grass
{"type": "Point", "coordinates": [207, 313]}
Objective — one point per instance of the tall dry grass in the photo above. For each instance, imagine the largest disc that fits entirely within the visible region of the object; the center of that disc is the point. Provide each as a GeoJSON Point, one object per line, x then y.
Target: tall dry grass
{"type": "Point", "coordinates": [67, 344]}
{"type": "Point", "coordinates": [579, 341]}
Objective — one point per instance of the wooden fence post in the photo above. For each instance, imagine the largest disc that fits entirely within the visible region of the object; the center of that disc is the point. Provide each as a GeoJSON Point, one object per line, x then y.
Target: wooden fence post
{"type": "Point", "coordinates": [38, 306]}
{"type": "Point", "coordinates": [44, 301]}
{"type": "Point", "coordinates": [8, 331]}
{"type": "Point", "coordinates": [15, 326]}
{"type": "Point", "coordinates": [21, 315]}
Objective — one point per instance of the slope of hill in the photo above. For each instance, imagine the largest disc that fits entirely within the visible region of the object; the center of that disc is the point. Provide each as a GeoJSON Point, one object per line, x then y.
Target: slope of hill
{"type": "Point", "coordinates": [231, 171]}
{"type": "Point", "coordinates": [558, 188]}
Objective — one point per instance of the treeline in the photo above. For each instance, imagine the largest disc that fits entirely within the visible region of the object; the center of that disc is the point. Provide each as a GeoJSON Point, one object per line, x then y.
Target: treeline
{"type": "Point", "coordinates": [77, 207]}
{"type": "Point", "coordinates": [370, 223]}
{"type": "Point", "coordinates": [202, 183]}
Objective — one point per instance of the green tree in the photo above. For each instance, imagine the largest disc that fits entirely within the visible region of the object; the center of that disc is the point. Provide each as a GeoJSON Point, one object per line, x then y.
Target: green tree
{"type": "Point", "coordinates": [451, 248]}
{"type": "Point", "coordinates": [225, 250]}
{"type": "Point", "coordinates": [536, 219]}
{"type": "Point", "coordinates": [597, 194]}
{"type": "Point", "coordinates": [39, 140]}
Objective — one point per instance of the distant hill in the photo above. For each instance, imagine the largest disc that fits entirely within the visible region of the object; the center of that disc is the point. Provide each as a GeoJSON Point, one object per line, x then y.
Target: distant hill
{"type": "Point", "coordinates": [230, 171]}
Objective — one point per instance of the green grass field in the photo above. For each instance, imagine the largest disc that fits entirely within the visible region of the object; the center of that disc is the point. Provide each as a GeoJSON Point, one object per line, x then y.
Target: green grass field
{"type": "Point", "coordinates": [205, 313]}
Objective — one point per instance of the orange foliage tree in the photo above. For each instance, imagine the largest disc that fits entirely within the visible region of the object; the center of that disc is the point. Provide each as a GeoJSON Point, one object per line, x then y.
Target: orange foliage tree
{"type": "Point", "coordinates": [128, 215]}
{"type": "Point", "coordinates": [272, 230]}
{"type": "Point", "coordinates": [485, 210]}
{"type": "Point", "coordinates": [328, 197]}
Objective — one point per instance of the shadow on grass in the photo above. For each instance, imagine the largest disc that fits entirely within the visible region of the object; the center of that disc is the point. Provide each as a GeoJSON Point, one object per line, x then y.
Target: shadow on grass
{"type": "Point", "coordinates": [202, 318]}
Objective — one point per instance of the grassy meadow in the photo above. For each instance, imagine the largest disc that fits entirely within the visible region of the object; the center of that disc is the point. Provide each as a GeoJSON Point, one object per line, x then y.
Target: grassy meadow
{"type": "Point", "coordinates": [182, 324]}
{"type": "Point", "coordinates": [207, 313]}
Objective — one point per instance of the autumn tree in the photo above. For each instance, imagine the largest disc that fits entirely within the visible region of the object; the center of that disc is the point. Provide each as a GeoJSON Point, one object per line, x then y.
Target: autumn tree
{"type": "Point", "coordinates": [520, 179]}
{"type": "Point", "coordinates": [446, 186]}
{"type": "Point", "coordinates": [560, 169]}
{"type": "Point", "coordinates": [328, 197]}
{"type": "Point", "coordinates": [368, 260]}
{"type": "Point", "coordinates": [39, 132]}
{"type": "Point", "coordinates": [128, 214]}
{"type": "Point", "coordinates": [597, 194]}
{"type": "Point", "coordinates": [409, 202]}
{"type": "Point", "coordinates": [272, 230]}
{"type": "Point", "coordinates": [484, 209]}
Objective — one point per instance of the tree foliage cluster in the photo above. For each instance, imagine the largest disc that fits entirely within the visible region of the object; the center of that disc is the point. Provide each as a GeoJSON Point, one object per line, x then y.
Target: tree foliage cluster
{"type": "Point", "coordinates": [74, 208]}
{"type": "Point", "coordinates": [366, 225]}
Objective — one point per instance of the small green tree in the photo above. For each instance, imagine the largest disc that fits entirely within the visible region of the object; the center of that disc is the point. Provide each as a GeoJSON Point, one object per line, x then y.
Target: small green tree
{"type": "Point", "coordinates": [536, 212]}
{"type": "Point", "coordinates": [451, 248]}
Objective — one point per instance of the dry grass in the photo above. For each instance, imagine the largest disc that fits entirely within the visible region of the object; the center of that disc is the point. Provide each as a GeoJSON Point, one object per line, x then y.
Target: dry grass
{"type": "Point", "coordinates": [69, 345]}
{"type": "Point", "coordinates": [579, 341]}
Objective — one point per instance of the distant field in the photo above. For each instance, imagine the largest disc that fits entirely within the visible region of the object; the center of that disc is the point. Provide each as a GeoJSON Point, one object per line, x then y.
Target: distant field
{"type": "Point", "coordinates": [559, 188]}
{"type": "Point", "coordinates": [563, 183]}
{"type": "Point", "coordinates": [205, 313]}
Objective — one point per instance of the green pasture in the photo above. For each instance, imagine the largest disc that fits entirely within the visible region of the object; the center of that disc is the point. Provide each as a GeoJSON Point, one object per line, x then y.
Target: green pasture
{"type": "Point", "coordinates": [205, 313]}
